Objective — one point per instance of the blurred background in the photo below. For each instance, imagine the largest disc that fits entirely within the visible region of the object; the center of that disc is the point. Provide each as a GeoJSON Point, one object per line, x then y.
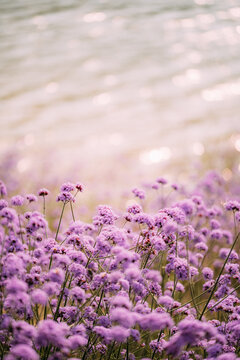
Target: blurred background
{"type": "Point", "coordinates": [119, 91]}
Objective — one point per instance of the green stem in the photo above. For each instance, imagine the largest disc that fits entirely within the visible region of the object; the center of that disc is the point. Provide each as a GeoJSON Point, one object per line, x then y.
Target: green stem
{"type": "Point", "coordinates": [110, 350]}
{"type": "Point", "coordinates": [72, 211]}
{"type": "Point", "coordinates": [61, 295]}
{"type": "Point", "coordinates": [159, 336]}
{"type": "Point", "coordinates": [196, 297]}
{"type": "Point", "coordinates": [119, 349]}
{"type": "Point", "coordinates": [217, 303]}
{"type": "Point", "coordinates": [219, 275]}
{"type": "Point", "coordinates": [189, 275]}
{"type": "Point", "coordinates": [60, 220]}
{"type": "Point", "coordinates": [44, 206]}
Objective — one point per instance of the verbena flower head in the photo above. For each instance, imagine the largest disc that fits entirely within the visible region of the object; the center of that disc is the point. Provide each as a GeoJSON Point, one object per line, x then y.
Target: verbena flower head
{"type": "Point", "coordinates": [79, 186]}
{"type": "Point", "coordinates": [31, 198]}
{"type": "Point", "coordinates": [105, 216]}
{"type": "Point", "coordinates": [155, 321]}
{"type": "Point", "coordinates": [3, 189]}
{"type": "Point", "coordinates": [14, 285]}
{"type": "Point", "coordinates": [43, 192]}
{"type": "Point", "coordinates": [161, 180]}
{"type": "Point", "coordinates": [207, 273]}
{"type": "Point", "coordinates": [22, 352]}
{"type": "Point", "coordinates": [134, 209]}
{"type": "Point", "coordinates": [65, 196]}
{"type": "Point", "coordinates": [49, 332]}
{"type": "Point", "coordinates": [139, 193]}
{"type": "Point", "coordinates": [123, 317]}
{"type": "Point", "coordinates": [232, 205]}
{"type": "Point", "coordinates": [17, 200]}
{"type": "Point", "coordinates": [3, 203]}
{"type": "Point", "coordinates": [67, 187]}
{"type": "Point", "coordinates": [39, 296]}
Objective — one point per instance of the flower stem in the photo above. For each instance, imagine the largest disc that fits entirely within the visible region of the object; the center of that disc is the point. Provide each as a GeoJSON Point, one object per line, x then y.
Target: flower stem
{"type": "Point", "coordinates": [219, 275]}
{"type": "Point", "coordinates": [72, 211]}
{"type": "Point", "coordinates": [217, 303]}
{"type": "Point", "coordinates": [60, 220]}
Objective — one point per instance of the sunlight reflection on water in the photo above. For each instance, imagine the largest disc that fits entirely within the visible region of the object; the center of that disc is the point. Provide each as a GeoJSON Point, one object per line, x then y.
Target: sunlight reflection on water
{"type": "Point", "coordinates": [103, 78]}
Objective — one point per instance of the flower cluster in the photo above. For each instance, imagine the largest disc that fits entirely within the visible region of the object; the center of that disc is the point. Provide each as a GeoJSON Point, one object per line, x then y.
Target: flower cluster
{"type": "Point", "coordinates": [145, 282]}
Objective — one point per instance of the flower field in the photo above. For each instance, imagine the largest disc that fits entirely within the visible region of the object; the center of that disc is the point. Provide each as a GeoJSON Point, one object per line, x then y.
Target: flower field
{"type": "Point", "coordinates": [157, 280]}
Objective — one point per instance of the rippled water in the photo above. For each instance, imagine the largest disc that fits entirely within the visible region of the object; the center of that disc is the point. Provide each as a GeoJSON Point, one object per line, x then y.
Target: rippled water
{"type": "Point", "coordinates": [91, 79]}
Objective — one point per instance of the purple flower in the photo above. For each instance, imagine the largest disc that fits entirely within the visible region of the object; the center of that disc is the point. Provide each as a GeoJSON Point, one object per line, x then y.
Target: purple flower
{"type": "Point", "coordinates": [39, 296]}
{"type": "Point", "coordinates": [215, 224]}
{"type": "Point", "coordinates": [175, 187]}
{"type": "Point", "coordinates": [13, 266]}
{"type": "Point", "coordinates": [170, 227]}
{"type": "Point", "coordinates": [214, 350]}
{"type": "Point", "coordinates": [153, 275]}
{"type": "Point", "coordinates": [78, 294]}
{"type": "Point", "coordinates": [77, 269]}
{"type": "Point", "coordinates": [18, 303]}
{"type": "Point", "coordinates": [208, 285]}
{"type": "Point", "coordinates": [118, 334]}
{"type": "Point", "coordinates": [105, 216]}
{"type": "Point", "coordinates": [139, 193]}
{"type": "Point", "coordinates": [67, 187]}
{"type": "Point", "coordinates": [15, 285]}
{"type": "Point", "coordinates": [51, 332]}
{"type": "Point", "coordinates": [56, 275]}
{"type": "Point", "coordinates": [135, 334]}
{"type": "Point", "coordinates": [77, 341]}
{"type": "Point", "coordinates": [132, 273]}
{"type": "Point", "coordinates": [232, 205]}
{"type": "Point", "coordinates": [166, 301]}
{"type": "Point", "coordinates": [43, 192]}
{"type": "Point", "coordinates": [22, 352]}
{"type": "Point", "coordinates": [36, 222]}
{"type": "Point", "coordinates": [155, 321]}
{"type": "Point", "coordinates": [65, 197]}
{"type": "Point", "coordinates": [216, 234]}
{"type": "Point", "coordinates": [124, 317]}
{"type": "Point", "coordinates": [227, 356]}
{"type": "Point", "coordinates": [160, 219]}
{"type": "Point", "coordinates": [17, 200]}
{"type": "Point", "coordinates": [187, 206]}
{"type": "Point", "coordinates": [3, 189]}
{"type": "Point", "coordinates": [104, 321]}
{"type": "Point", "coordinates": [8, 214]}
{"type": "Point", "coordinates": [181, 268]}
{"type": "Point", "coordinates": [157, 345]}
{"type": "Point", "coordinates": [51, 288]}
{"type": "Point", "coordinates": [3, 204]}
{"type": "Point", "coordinates": [177, 214]}
{"type": "Point", "coordinates": [121, 301]}
{"type": "Point", "coordinates": [224, 254]}
{"type": "Point", "coordinates": [31, 198]}
{"type": "Point", "coordinates": [207, 273]}
{"type": "Point", "coordinates": [143, 218]}
{"type": "Point", "coordinates": [232, 269]}
{"type": "Point", "coordinates": [161, 180]}
{"type": "Point", "coordinates": [190, 331]}
{"type": "Point", "coordinates": [201, 246]}
{"type": "Point", "coordinates": [23, 332]}
{"type": "Point", "coordinates": [79, 186]}
{"type": "Point", "coordinates": [134, 209]}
